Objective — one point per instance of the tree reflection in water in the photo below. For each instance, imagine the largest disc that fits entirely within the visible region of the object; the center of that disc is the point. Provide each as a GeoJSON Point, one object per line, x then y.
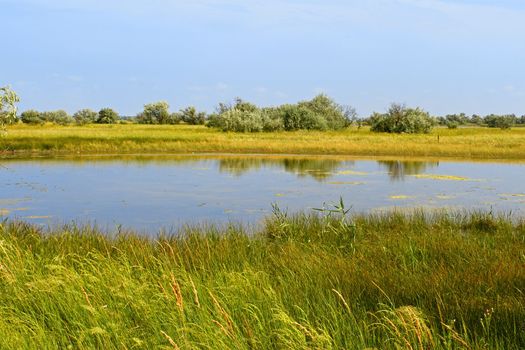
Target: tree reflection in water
{"type": "Point", "coordinates": [318, 169]}
{"type": "Point", "coordinates": [398, 170]}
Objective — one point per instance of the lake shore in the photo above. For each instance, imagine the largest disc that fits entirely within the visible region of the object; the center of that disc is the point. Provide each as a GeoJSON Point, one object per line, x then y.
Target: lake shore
{"type": "Point", "coordinates": [421, 280]}
{"type": "Point", "coordinates": [462, 143]}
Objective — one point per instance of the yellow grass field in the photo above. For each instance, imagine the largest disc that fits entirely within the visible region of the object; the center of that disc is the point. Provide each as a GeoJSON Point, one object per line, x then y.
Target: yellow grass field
{"type": "Point", "coordinates": [466, 143]}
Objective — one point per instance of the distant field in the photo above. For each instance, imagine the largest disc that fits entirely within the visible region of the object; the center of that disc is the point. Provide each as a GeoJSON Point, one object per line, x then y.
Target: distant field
{"type": "Point", "coordinates": [426, 281]}
{"type": "Point", "coordinates": [472, 142]}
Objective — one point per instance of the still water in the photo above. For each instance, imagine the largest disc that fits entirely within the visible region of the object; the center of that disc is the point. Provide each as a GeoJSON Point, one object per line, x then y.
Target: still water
{"type": "Point", "coordinates": [150, 193]}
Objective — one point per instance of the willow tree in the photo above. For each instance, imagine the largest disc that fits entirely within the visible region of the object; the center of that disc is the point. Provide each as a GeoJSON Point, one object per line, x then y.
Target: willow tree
{"type": "Point", "coordinates": [8, 101]}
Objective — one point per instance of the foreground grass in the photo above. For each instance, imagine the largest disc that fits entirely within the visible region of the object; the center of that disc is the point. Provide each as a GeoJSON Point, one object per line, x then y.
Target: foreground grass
{"type": "Point", "coordinates": [390, 281]}
{"type": "Point", "coordinates": [480, 143]}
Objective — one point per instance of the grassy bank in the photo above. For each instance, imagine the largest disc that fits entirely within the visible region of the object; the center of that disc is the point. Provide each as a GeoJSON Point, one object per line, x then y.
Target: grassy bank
{"type": "Point", "coordinates": [475, 143]}
{"type": "Point", "coordinates": [421, 281]}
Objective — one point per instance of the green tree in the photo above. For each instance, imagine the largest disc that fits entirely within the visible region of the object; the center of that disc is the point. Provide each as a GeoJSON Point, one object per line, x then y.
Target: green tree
{"type": "Point", "coordinates": [59, 117]}
{"type": "Point", "coordinates": [155, 113]}
{"type": "Point", "coordinates": [31, 117]}
{"type": "Point", "coordinates": [8, 109]}
{"type": "Point", "coordinates": [400, 119]}
{"type": "Point", "coordinates": [107, 116]}
{"type": "Point", "coordinates": [191, 116]}
{"type": "Point", "coordinates": [85, 116]}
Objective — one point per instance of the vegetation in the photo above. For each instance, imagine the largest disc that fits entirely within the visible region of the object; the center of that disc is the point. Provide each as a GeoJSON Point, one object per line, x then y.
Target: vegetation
{"type": "Point", "coordinates": [155, 113]}
{"type": "Point", "coordinates": [400, 119]}
{"type": "Point", "coordinates": [470, 143]}
{"type": "Point", "coordinates": [320, 113]}
{"type": "Point", "coordinates": [8, 101]}
{"type": "Point", "coordinates": [107, 116]}
{"type": "Point", "coordinates": [85, 116]}
{"type": "Point", "coordinates": [327, 281]}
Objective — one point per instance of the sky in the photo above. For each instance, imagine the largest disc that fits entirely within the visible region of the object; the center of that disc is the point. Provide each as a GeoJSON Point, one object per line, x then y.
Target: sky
{"type": "Point", "coordinates": [446, 56]}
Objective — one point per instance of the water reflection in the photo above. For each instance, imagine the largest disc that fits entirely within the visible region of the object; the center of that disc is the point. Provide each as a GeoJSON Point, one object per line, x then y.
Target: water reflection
{"type": "Point", "coordinates": [316, 168]}
{"type": "Point", "coordinates": [398, 170]}
{"type": "Point", "coordinates": [153, 192]}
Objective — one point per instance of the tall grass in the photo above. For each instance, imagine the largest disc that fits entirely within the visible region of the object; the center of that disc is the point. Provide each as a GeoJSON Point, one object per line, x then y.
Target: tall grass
{"type": "Point", "coordinates": [481, 143]}
{"type": "Point", "coordinates": [326, 281]}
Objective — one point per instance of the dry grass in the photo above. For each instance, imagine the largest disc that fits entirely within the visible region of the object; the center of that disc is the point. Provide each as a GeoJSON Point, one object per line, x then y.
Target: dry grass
{"type": "Point", "coordinates": [474, 143]}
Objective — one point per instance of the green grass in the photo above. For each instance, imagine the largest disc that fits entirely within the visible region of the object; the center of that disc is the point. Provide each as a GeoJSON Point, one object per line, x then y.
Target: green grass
{"type": "Point", "coordinates": [389, 281]}
{"type": "Point", "coordinates": [473, 142]}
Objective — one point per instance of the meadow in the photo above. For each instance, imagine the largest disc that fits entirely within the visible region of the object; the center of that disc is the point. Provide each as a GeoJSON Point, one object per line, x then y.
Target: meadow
{"type": "Point", "coordinates": [468, 142]}
{"type": "Point", "coordinates": [327, 280]}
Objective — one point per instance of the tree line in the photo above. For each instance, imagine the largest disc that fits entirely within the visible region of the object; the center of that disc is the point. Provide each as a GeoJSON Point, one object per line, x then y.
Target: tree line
{"type": "Point", "coordinates": [319, 113]}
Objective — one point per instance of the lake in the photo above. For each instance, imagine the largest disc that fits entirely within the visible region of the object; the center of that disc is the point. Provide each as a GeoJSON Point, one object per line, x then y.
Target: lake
{"type": "Point", "coordinates": [148, 193]}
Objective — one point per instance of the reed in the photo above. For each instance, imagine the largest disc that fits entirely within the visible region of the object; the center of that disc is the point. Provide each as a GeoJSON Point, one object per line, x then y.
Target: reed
{"type": "Point", "coordinates": [327, 280]}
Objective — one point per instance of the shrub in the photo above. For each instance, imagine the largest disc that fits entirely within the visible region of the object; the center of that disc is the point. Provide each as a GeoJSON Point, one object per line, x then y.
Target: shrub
{"type": "Point", "coordinates": [452, 125]}
{"type": "Point", "coordinates": [31, 117]}
{"type": "Point", "coordinates": [239, 121]}
{"type": "Point", "coordinates": [191, 116]}
{"type": "Point", "coordinates": [107, 116]}
{"type": "Point", "coordinates": [297, 117]}
{"type": "Point", "coordinates": [155, 113]}
{"type": "Point", "coordinates": [500, 121]}
{"type": "Point", "coordinates": [85, 116]}
{"type": "Point", "coordinates": [59, 117]}
{"type": "Point", "coordinates": [320, 113]}
{"type": "Point", "coordinates": [334, 115]}
{"type": "Point", "coordinates": [400, 119]}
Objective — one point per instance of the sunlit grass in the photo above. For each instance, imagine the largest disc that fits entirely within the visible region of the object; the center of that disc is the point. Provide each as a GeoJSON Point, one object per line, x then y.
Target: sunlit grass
{"type": "Point", "coordinates": [482, 143]}
{"type": "Point", "coordinates": [385, 281]}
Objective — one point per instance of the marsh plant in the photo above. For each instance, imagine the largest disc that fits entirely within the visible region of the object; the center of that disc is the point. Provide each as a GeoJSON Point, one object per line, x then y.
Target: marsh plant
{"type": "Point", "coordinates": [329, 279]}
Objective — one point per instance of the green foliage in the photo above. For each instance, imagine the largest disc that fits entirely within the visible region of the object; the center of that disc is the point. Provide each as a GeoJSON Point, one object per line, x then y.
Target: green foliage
{"type": "Point", "coordinates": [320, 113]}
{"type": "Point", "coordinates": [59, 117]}
{"type": "Point", "coordinates": [452, 125]}
{"type": "Point", "coordinates": [192, 117]}
{"type": "Point", "coordinates": [8, 101]}
{"type": "Point", "coordinates": [85, 116]}
{"type": "Point", "coordinates": [240, 121]}
{"type": "Point", "coordinates": [500, 121]}
{"type": "Point", "coordinates": [107, 116]}
{"type": "Point", "coordinates": [400, 119]}
{"type": "Point", "coordinates": [31, 117]}
{"type": "Point", "coordinates": [327, 280]}
{"type": "Point", "coordinates": [300, 117]}
{"type": "Point", "coordinates": [155, 113]}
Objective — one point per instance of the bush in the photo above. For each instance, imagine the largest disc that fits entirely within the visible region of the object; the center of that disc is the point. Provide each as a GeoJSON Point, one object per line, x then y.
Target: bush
{"type": "Point", "coordinates": [297, 117]}
{"type": "Point", "coordinates": [500, 121]}
{"type": "Point", "coordinates": [59, 117]}
{"type": "Point", "coordinates": [85, 116]}
{"type": "Point", "coordinates": [192, 117]}
{"type": "Point", "coordinates": [239, 121]}
{"type": "Point", "coordinates": [155, 113]}
{"type": "Point", "coordinates": [452, 125]}
{"type": "Point", "coordinates": [31, 117]}
{"type": "Point", "coordinates": [320, 113]}
{"type": "Point", "coordinates": [400, 119]}
{"type": "Point", "coordinates": [334, 115]}
{"type": "Point", "coordinates": [107, 116]}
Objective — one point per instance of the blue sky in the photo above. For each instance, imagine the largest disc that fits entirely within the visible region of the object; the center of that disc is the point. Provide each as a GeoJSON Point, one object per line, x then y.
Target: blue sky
{"type": "Point", "coordinates": [444, 55]}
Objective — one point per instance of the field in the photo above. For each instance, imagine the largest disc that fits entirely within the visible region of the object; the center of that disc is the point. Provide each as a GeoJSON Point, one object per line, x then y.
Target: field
{"type": "Point", "coordinates": [472, 143]}
{"type": "Point", "coordinates": [390, 281]}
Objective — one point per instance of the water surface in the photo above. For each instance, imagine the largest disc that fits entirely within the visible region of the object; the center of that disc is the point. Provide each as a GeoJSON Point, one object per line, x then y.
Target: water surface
{"type": "Point", "coordinates": [149, 193]}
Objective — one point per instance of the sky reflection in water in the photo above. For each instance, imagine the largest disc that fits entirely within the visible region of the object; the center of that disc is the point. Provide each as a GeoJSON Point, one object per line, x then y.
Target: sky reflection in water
{"type": "Point", "coordinates": [149, 193]}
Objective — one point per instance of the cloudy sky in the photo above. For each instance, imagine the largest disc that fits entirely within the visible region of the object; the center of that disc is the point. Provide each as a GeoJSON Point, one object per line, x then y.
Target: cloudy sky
{"type": "Point", "coordinates": [444, 55]}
